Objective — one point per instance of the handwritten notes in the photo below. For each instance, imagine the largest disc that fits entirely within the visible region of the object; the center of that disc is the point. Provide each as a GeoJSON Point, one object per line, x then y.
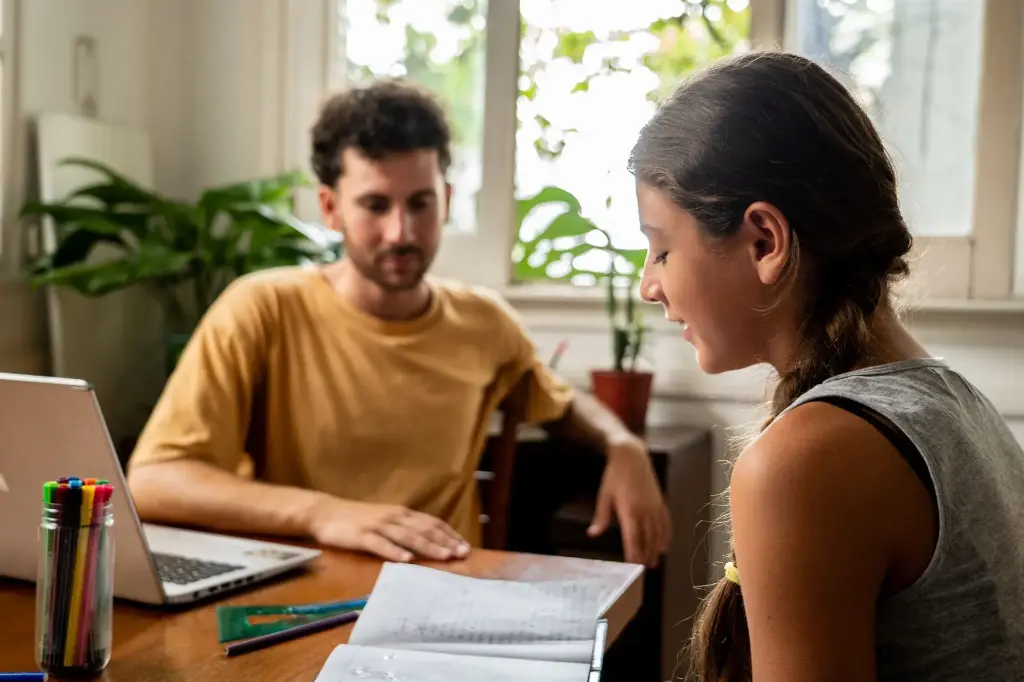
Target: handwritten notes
{"type": "Point", "coordinates": [417, 608]}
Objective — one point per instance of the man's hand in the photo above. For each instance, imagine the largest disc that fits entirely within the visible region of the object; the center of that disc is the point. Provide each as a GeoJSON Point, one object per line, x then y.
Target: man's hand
{"type": "Point", "coordinates": [630, 490]}
{"type": "Point", "coordinates": [389, 531]}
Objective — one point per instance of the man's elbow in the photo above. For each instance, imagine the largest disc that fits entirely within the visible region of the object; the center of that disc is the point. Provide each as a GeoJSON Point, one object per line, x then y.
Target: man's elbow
{"type": "Point", "coordinates": [144, 484]}
{"type": "Point", "coordinates": [149, 484]}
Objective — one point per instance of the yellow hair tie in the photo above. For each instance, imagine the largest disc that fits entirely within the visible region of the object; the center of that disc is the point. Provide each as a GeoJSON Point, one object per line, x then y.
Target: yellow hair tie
{"type": "Point", "coordinates": [732, 574]}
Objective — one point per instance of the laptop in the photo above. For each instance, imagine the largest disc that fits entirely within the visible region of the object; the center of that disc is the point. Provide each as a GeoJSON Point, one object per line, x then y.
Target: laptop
{"type": "Point", "coordinates": [52, 427]}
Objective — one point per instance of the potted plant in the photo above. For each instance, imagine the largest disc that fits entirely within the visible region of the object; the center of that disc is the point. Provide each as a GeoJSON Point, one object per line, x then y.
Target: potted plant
{"type": "Point", "coordinates": [116, 234]}
{"type": "Point", "coordinates": [569, 243]}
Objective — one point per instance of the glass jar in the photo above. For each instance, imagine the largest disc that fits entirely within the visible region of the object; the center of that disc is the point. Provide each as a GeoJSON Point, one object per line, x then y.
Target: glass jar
{"type": "Point", "coordinates": [75, 584]}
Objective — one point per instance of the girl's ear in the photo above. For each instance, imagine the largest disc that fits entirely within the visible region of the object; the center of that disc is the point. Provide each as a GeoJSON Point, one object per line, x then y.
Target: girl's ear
{"type": "Point", "coordinates": [769, 241]}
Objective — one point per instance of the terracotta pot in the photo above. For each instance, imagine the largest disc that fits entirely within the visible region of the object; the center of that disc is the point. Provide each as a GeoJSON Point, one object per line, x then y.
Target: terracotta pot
{"type": "Point", "coordinates": [627, 394]}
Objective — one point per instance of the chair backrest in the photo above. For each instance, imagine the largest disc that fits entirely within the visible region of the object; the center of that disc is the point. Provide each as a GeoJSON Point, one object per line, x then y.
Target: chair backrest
{"type": "Point", "coordinates": [496, 484]}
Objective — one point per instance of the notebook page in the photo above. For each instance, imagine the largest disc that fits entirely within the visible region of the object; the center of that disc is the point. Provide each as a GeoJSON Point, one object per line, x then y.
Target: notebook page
{"type": "Point", "coordinates": [419, 608]}
{"type": "Point", "coordinates": [349, 662]}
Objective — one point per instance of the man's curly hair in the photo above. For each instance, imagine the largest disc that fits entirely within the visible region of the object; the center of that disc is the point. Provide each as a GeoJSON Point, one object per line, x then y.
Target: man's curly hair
{"type": "Point", "coordinates": [378, 119]}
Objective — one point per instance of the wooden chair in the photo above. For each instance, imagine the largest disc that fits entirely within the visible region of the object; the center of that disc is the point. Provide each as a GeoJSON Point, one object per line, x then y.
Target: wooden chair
{"type": "Point", "coordinates": [494, 479]}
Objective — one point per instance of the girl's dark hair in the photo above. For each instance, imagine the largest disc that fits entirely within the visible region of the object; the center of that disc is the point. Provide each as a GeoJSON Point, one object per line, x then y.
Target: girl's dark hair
{"type": "Point", "coordinates": [776, 127]}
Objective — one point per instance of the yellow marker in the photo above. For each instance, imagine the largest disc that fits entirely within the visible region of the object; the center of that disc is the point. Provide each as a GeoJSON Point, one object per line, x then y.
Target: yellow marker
{"type": "Point", "coordinates": [81, 554]}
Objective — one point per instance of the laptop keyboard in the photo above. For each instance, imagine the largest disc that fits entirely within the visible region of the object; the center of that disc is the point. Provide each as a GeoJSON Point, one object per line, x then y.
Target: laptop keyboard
{"type": "Point", "coordinates": [183, 571]}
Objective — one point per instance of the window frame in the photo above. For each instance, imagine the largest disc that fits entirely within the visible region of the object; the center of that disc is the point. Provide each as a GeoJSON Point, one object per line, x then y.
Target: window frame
{"type": "Point", "coordinates": [980, 265]}
{"type": "Point", "coordinates": [481, 256]}
{"type": "Point", "coordinates": [987, 264]}
{"type": "Point", "coordinates": [12, 145]}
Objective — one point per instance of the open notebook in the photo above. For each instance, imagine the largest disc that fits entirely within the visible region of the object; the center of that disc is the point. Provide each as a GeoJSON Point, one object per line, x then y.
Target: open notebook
{"type": "Point", "coordinates": [425, 625]}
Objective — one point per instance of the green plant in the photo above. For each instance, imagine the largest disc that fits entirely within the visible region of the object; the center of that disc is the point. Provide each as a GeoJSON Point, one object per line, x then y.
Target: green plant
{"type": "Point", "coordinates": [565, 250]}
{"type": "Point", "coordinates": [116, 234]}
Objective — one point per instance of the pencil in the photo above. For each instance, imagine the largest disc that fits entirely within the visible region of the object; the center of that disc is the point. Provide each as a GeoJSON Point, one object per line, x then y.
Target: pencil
{"type": "Point", "coordinates": [557, 355]}
{"type": "Point", "coordinates": [273, 638]}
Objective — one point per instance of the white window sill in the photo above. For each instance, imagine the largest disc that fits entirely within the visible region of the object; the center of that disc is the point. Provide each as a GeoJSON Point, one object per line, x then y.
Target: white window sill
{"type": "Point", "coordinates": [533, 296]}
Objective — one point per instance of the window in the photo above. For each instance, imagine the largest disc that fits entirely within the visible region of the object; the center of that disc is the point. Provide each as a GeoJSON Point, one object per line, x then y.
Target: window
{"type": "Point", "coordinates": [916, 65]}
{"type": "Point", "coordinates": [930, 73]}
{"type": "Point", "coordinates": [438, 44]}
{"type": "Point", "coordinates": [590, 77]}
{"type": "Point", "coordinates": [533, 84]}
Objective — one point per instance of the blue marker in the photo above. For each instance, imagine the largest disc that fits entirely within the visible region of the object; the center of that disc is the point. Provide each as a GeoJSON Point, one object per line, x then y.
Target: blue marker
{"type": "Point", "coordinates": [23, 677]}
{"type": "Point", "coordinates": [327, 607]}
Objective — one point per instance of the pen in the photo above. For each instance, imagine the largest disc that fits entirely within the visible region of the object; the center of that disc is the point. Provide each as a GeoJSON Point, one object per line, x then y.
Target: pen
{"type": "Point", "coordinates": [557, 355]}
{"type": "Point", "coordinates": [23, 677]}
{"type": "Point", "coordinates": [597, 658]}
{"type": "Point", "coordinates": [327, 607]}
{"type": "Point", "coordinates": [273, 638]}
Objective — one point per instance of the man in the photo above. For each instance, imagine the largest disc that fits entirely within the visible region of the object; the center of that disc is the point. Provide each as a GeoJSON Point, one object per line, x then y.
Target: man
{"type": "Point", "coordinates": [358, 395]}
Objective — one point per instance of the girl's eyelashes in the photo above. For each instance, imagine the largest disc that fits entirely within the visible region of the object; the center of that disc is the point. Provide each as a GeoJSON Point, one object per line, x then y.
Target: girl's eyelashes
{"type": "Point", "coordinates": [660, 258]}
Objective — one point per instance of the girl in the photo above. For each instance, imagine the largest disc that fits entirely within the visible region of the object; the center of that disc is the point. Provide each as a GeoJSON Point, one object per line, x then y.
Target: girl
{"type": "Point", "coordinates": [878, 520]}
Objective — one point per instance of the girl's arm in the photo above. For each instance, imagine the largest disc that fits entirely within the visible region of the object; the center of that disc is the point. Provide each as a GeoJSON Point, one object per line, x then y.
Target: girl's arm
{"type": "Point", "coordinates": [827, 515]}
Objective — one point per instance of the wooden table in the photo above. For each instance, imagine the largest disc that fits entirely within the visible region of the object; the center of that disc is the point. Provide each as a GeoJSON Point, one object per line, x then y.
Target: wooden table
{"type": "Point", "coordinates": [180, 645]}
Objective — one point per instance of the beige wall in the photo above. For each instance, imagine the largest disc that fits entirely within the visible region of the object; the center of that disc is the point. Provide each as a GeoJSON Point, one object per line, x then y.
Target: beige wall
{"type": "Point", "coordinates": [207, 79]}
{"type": "Point", "coordinates": [41, 58]}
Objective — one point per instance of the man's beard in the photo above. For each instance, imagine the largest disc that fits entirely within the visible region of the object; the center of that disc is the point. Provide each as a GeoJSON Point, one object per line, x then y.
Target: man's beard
{"type": "Point", "coordinates": [377, 270]}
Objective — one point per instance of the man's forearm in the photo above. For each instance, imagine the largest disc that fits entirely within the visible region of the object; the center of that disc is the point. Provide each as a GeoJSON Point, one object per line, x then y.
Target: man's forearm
{"type": "Point", "coordinates": [198, 494]}
{"type": "Point", "coordinates": [590, 422]}
{"type": "Point", "coordinates": [629, 486]}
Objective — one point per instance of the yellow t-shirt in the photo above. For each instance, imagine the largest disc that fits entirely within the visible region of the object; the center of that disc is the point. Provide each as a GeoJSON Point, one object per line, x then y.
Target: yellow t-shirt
{"type": "Point", "coordinates": [283, 373]}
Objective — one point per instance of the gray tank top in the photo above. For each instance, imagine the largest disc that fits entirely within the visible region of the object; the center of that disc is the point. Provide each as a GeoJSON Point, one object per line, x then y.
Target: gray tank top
{"type": "Point", "coordinates": [963, 620]}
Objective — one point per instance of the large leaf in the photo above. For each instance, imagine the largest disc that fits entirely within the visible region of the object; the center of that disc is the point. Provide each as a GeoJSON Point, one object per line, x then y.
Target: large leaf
{"type": "Point", "coordinates": [114, 177]}
{"type": "Point", "coordinates": [112, 195]}
{"type": "Point", "coordinates": [77, 244]}
{"type": "Point", "coordinates": [548, 195]}
{"type": "Point", "coordinates": [567, 225]}
{"type": "Point", "coordinates": [151, 262]}
{"type": "Point", "coordinates": [635, 257]}
{"type": "Point", "coordinates": [268, 191]}
{"type": "Point", "coordinates": [90, 279]}
{"type": "Point", "coordinates": [179, 225]}
{"type": "Point", "coordinates": [523, 269]}
{"type": "Point", "coordinates": [62, 212]}
{"type": "Point", "coordinates": [155, 261]}
{"type": "Point", "coordinates": [288, 226]}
